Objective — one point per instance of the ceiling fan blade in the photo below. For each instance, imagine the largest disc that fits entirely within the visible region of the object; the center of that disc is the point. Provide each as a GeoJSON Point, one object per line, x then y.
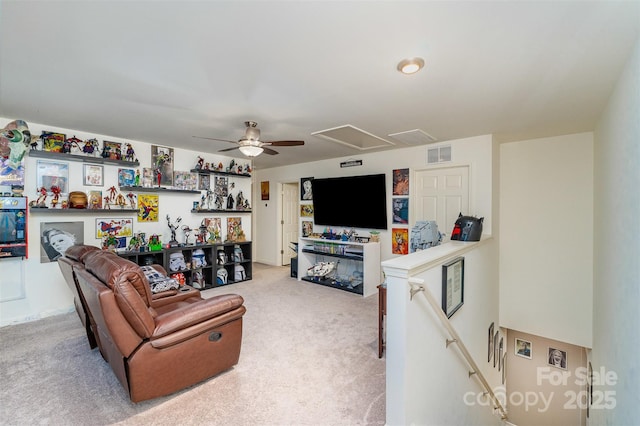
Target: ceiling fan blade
{"type": "Point", "coordinates": [284, 143]}
{"type": "Point", "coordinates": [229, 149]}
{"type": "Point", "coordinates": [214, 139]}
{"type": "Point", "coordinates": [270, 151]}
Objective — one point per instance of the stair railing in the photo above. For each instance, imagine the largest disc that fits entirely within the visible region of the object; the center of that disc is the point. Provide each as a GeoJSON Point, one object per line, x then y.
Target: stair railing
{"type": "Point", "coordinates": [417, 285]}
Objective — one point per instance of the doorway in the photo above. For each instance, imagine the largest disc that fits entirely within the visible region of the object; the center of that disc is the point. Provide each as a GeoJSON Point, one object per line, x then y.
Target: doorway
{"type": "Point", "coordinates": [441, 194]}
{"type": "Point", "coordinates": [290, 220]}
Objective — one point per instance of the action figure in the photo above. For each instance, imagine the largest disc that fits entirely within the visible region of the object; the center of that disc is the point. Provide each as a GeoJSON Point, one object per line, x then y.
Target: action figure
{"type": "Point", "coordinates": [56, 196]}
{"type": "Point", "coordinates": [137, 178]}
{"type": "Point", "coordinates": [42, 198]}
{"type": "Point", "coordinates": [90, 146]}
{"type": "Point", "coordinates": [199, 164]}
{"type": "Point", "coordinates": [132, 199]}
{"type": "Point", "coordinates": [173, 228]}
{"type": "Point", "coordinates": [112, 193]}
{"type": "Point", "coordinates": [130, 154]}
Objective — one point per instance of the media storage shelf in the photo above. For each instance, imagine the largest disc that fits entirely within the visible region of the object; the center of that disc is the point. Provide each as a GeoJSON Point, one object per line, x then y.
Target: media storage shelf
{"type": "Point", "coordinates": [356, 266]}
{"type": "Point", "coordinates": [61, 156]}
{"type": "Point", "coordinates": [224, 263]}
{"type": "Point", "coordinates": [157, 189]}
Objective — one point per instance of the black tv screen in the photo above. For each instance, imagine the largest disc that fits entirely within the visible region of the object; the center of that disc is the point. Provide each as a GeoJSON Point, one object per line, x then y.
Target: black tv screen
{"type": "Point", "coordinates": [353, 201]}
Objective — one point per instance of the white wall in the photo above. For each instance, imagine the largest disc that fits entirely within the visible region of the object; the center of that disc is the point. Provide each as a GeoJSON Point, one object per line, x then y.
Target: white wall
{"type": "Point", "coordinates": [427, 382]}
{"type": "Point", "coordinates": [546, 246]}
{"type": "Point", "coordinates": [616, 316]}
{"type": "Point", "coordinates": [44, 287]}
{"type": "Point", "coordinates": [476, 152]}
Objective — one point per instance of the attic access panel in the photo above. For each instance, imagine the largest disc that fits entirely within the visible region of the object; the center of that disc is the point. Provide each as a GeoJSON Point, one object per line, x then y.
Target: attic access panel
{"type": "Point", "coordinates": [353, 137]}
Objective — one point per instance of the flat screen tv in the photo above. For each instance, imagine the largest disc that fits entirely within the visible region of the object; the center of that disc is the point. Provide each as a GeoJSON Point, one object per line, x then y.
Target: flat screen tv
{"type": "Point", "coordinates": [352, 201]}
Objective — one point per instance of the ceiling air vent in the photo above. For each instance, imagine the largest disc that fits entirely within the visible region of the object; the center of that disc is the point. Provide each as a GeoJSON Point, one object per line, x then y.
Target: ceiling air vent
{"type": "Point", "coordinates": [353, 137]}
{"type": "Point", "coordinates": [439, 154]}
{"type": "Point", "coordinates": [414, 137]}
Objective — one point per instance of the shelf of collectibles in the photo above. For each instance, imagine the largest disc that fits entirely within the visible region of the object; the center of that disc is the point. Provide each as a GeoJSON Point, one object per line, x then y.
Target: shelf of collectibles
{"type": "Point", "coordinates": [56, 146]}
{"type": "Point", "coordinates": [221, 194]}
{"type": "Point", "coordinates": [351, 266]}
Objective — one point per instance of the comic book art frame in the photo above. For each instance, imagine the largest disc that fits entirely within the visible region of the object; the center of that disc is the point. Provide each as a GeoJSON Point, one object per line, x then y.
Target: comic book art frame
{"type": "Point", "coordinates": [93, 175]}
{"type": "Point", "coordinates": [49, 173]}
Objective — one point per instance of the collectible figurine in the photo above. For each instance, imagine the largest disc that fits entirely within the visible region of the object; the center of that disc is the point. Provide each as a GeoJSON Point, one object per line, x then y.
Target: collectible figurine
{"type": "Point", "coordinates": [130, 154]}
{"type": "Point", "coordinates": [173, 228]}
{"type": "Point", "coordinates": [187, 232]}
{"type": "Point", "coordinates": [159, 175]}
{"type": "Point", "coordinates": [240, 201]}
{"type": "Point", "coordinates": [107, 200]}
{"type": "Point", "coordinates": [132, 199]}
{"type": "Point", "coordinates": [230, 202]}
{"type": "Point", "coordinates": [90, 146]}
{"type": "Point", "coordinates": [112, 193]}
{"type": "Point", "coordinates": [137, 178]}
{"type": "Point", "coordinates": [154, 243]}
{"type": "Point", "coordinates": [120, 201]}
{"type": "Point", "coordinates": [69, 143]}
{"type": "Point", "coordinates": [56, 196]}
{"type": "Point", "coordinates": [42, 198]}
{"type": "Point", "coordinates": [199, 164]}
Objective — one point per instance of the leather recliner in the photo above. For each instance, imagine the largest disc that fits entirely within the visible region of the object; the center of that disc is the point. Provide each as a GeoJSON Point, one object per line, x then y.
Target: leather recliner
{"type": "Point", "coordinates": [156, 346]}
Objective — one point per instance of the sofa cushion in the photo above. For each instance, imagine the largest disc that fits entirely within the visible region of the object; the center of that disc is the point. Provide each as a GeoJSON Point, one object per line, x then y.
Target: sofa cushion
{"type": "Point", "coordinates": [109, 267]}
{"type": "Point", "coordinates": [78, 252]}
{"type": "Point", "coordinates": [157, 281]}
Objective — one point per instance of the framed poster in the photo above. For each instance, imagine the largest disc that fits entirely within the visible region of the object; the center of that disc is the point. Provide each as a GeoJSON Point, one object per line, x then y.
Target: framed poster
{"type": "Point", "coordinates": [523, 348]}
{"type": "Point", "coordinates": [118, 227]}
{"type": "Point", "coordinates": [148, 205]}
{"type": "Point", "coordinates": [162, 160]}
{"type": "Point", "coordinates": [93, 174]}
{"type": "Point", "coordinates": [453, 286]}
{"type": "Point", "coordinates": [557, 358]}
{"type": "Point", "coordinates": [126, 177]}
{"type": "Point", "coordinates": [399, 241]}
{"type": "Point", "coordinates": [264, 190]}
{"type": "Point", "coordinates": [51, 173]}
{"type": "Point", "coordinates": [306, 193]}
{"type": "Point", "coordinates": [111, 150]}
{"type": "Point", "coordinates": [52, 142]}
{"type": "Point", "coordinates": [401, 182]}
{"type": "Point", "coordinates": [307, 228]}
{"type": "Point", "coordinates": [57, 237]}
{"type": "Point", "coordinates": [490, 343]}
{"type": "Point", "coordinates": [400, 209]}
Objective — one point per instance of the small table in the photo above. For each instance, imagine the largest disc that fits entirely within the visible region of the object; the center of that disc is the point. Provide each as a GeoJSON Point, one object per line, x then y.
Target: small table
{"type": "Point", "coordinates": [382, 312]}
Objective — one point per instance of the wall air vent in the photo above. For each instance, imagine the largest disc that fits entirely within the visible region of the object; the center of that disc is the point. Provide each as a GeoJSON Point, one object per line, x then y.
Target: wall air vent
{"type": "Point", "coordinates": [439, 154]}
{"type": "Point", "coordinates": [353, 137]}
{"type": "Point", "coordinates": [414, 137]}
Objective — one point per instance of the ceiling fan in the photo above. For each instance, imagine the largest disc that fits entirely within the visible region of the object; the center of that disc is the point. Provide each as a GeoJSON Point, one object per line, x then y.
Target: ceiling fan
{"type": "Point", "coordinates": [250, 144]}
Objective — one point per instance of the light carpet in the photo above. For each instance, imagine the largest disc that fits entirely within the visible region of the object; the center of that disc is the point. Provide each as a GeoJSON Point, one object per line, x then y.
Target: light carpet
{"type": "Point", "coordinates": [309, 357]}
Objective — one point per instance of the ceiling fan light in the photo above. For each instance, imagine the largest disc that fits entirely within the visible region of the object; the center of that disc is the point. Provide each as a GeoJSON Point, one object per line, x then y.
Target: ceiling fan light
{"type": "Point", "coordinates": [411, 65]}
{"type": "Point", "coordinates": [251, 151]}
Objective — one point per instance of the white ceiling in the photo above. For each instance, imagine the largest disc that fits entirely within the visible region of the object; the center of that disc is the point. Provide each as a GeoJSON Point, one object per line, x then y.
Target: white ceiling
{"type": "Point", "coordinates": [161, 72]}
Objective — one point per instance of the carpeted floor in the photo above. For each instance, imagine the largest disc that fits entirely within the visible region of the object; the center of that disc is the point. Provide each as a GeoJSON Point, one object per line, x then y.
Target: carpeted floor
{"type": "Point", "coordinates": [309, 357]}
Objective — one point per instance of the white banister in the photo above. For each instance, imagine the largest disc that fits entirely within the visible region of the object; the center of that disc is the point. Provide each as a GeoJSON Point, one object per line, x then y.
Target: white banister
{"type": "Point", "coordinates": [417, 285]}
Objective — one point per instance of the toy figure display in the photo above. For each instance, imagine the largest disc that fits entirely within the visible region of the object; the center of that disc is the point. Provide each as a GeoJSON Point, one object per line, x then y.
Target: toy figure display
{"type": "Point", "coordinates": [198, 259]}
{"type": "Point", "coordinates": [467, 228]}
{"type": "Point", "coordinates": [90, 147]}
{"type": "Point", "coordinates": [56, 196]}
{"type": "Point", "coordinates": [154, 243]}
{"type": "Point", "coordinates": [424, 234]}
{"type": "Point", "coordinates": [130, 154]}
{"type": "Point", "coordinates": [186, 229]}
{"type": "Point", "coordinates": [173, 227]}
{"type": "Point", "coordinates": [42, 198]}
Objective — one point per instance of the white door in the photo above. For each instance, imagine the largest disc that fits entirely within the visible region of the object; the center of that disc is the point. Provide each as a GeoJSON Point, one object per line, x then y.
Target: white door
{"type": "Point", "coordinates": [440, 195]}
{"type": "Point", "coordinates": [290, 220]}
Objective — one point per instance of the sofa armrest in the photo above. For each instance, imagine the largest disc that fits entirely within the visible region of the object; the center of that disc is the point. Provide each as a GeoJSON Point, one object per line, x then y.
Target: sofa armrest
{"type": "Point", "coordinates": [172, 296]}
{"type": "Point", "coordinates": [192, 314]}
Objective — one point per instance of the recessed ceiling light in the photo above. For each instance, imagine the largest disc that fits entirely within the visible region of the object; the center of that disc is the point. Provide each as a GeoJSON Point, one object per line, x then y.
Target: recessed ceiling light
{"type": "Point", "coordinates": [410, 65]}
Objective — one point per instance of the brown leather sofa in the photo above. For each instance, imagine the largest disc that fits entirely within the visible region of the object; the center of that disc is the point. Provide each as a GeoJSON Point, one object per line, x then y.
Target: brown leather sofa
{"type": "Point", "coordinates": [154, 345]}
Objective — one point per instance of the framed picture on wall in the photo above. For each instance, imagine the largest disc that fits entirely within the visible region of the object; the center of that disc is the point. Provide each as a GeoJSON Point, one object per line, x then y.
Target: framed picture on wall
{"type": "Point", "coordinates": [401, 182]}
{"type": "Point", "coordinates": [496, 359]}
{"type": "Point", "coordinates": [523, 348]}
{"type": "Point", "coordinates": [93, 174]}
{"type": "Point", "coordinates": [51, 173]}
{"type": "Point", "coordinates": [400, 210]}
{"type": "Point", "coordinates": [306, 193]}
{"type": "Point", "coordinates": [264, 190]}
{"type": "Point", "coordinates": [453, 286]}
{"type": "Point", "coordinates": [500, 353]}
{"type": "Point", "coordinates": [557, 358]}
{"type": "Point", "coordinates": [490, 343]}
